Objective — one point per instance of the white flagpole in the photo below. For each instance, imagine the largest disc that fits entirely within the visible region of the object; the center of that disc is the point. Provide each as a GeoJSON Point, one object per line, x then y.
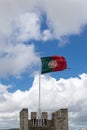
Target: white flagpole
{"type": "Point", "coordinates": [39, 97]}
{"type": "Point", "coordinates": [39, 113]}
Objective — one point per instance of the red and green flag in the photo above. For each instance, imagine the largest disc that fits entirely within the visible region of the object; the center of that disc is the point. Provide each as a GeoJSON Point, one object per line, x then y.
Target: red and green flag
{"type": "Point", "coordinates": [53, 63]}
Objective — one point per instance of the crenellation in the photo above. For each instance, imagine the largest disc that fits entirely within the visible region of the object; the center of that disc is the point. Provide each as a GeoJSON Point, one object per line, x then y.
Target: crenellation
{"type": "Point", "coordinates": [59, 120]}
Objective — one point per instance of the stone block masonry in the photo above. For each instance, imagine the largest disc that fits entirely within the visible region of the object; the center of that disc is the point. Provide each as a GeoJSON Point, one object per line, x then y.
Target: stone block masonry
{"type": "Point", "coordinates": [59, 120]}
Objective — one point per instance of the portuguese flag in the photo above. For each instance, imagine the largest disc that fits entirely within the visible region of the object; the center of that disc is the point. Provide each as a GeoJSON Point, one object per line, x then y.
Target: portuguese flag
{"type": "Point", "coordinates": [53, 63]}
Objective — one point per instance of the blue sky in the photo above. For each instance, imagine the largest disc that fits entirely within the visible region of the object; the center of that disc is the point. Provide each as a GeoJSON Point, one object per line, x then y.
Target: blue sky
{"type": "Point", "coordinates": [28, 31]}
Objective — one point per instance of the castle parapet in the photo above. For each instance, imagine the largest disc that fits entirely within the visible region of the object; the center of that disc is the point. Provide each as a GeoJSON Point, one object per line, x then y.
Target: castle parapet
{"type": "Point", "coordinates": [59, 120]}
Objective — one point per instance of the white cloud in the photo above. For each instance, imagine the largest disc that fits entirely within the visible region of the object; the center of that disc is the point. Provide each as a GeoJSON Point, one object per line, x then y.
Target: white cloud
{"type": "Point", "coordinates": [3, 88]}
{"type": "Point", "coordinates": [66, 17]}
{"type": "Point", "coordinates": [47, 35]}
{"type": "Point", "coordinates": [16, 58]}
{"type": "Point", "coordinates": [28, 26]}
{"type": "Point", "coordinates": [22, 17]}
{"type": "Point", "coordinates": [63, 18]}
{"type": "Point", "coordinates": [69, 93]}
{"type": "Point", "coordinates": [9, 9]}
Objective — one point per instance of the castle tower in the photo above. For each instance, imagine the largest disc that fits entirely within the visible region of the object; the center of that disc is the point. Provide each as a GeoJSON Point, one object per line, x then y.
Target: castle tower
{"type": "Point", "coordinates": [24, 119]}
{"type": "Point", "coordinates": [59, 120]}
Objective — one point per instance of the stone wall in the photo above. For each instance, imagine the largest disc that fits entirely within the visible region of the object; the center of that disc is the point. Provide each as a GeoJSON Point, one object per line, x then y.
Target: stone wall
{"type": "Point", "coordinates": [24, 119]}
{"type": "Point", "coordinates": [59, 120]}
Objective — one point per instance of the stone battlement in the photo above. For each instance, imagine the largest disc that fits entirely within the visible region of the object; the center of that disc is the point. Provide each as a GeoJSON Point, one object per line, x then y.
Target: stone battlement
{"type": "Point", "coordinates": [59, 120]}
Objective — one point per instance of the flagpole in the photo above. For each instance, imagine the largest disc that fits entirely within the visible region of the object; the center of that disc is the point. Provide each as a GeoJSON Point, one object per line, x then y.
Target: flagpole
{"type": "Point", "coordinates": [39, 97]}
{"type": "Point", "coordinates": [39, 111]}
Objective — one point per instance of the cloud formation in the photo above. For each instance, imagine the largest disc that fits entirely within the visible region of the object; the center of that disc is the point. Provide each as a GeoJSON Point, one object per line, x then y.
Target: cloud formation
{"type": "Point", "coordinates": [28, 27]}
{"type": "Point", "coordinates": [10, 9]}
{"type": "Point", "coordinates": [64, 18]}
{"type": "Point", "coordinates": [16, 58]}
{"type": "Point", "coordinates": [70, 93]}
